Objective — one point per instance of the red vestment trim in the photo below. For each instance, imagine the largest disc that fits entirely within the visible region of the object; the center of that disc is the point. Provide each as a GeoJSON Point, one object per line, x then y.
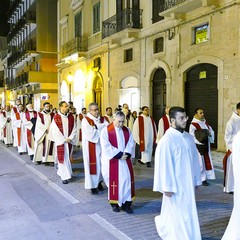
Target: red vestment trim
{"type": "Point", "coordinates": [106, 118]}
{"type": "Point", "coordinates": [113, 165]}
{"type": "Point", "coordinates": [92, 149]}
{"type": "Point", "coordinates": [141, 132]}
{"type": "Point", "coordinates": [166, 124]}
{"type": "Point", "coordinates": [80, 131]}
{"type": "Point", "coordinates": [29, 133]}
{"type": "Point", "coordinates": [206, 157]}
{"type": "Point", "coordinates": [18, 129]}
{"type": "Point", "coordinates": [228, 153]}
{"type": "Point", "coordinates": [60, 149]}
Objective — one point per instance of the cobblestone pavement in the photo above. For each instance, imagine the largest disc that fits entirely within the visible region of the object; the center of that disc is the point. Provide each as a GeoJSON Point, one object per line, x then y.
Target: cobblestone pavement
{"type": "Point", "coordinates": [214, 206]}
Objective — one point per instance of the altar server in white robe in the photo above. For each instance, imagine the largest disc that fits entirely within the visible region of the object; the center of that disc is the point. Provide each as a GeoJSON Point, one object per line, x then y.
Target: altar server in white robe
{"type": "Point", "coordinates": [29, 119]}
{"type": "Point", "coordinates": [232, 128]}
{"type": "Point", "coordinates": [144, 134]}
{"type": "Point", "coordinates": [117, 148]}
{"type": "Point", "coordinates": [6, 126]}
{"type": "Point", "coordinates": [176, 174]}
{"type": "Point", "coordinates": [163, 124]}
{"type": "Point", "coordinates": [14, 115]}
{"type": "Point", "coordinates": [92, 126]}
{"type": "Point", "coordinates": [233, 230]}
{"type": "Point", "coordinates": [62, 132]}
{"type": "Point", "coordinates": [17, 123]}
{"type": "Point", "coordinates": [43, 150]}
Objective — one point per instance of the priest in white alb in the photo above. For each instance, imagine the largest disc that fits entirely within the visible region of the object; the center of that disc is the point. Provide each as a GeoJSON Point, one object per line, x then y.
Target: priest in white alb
{"type": "Point", "coordinates": [14, 116]}
{"type": "Point", "coordinates": [92, 126]}
{"type": "Point", "coordinates": [6, 126]}
{"type": "Point", "coordinates": [117, 148]}
{"type": "Point", "coordinates": [163, 124]}
{"type": "Point", "coordinates": [233, 230]}
{"type": "Point", "coordinates": [62, 132]}
{"type": "Point", "coordinates": [176, 175]}
{"type": "Point", "coordinates": [144, 134]}
{"type": "Point", "coordinates": [43, 150]}
{"type": "Point", "coordinates": [232, 128]}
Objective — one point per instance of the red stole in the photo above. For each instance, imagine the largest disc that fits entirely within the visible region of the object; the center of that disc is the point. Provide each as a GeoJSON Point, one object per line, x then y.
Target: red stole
{"type": "Point", "coordinates": [141, 132]}
{"type": "Point", "coordinates": [228, 153]}
{"type": "Point", "coordinates": [18, 129]}
{"type": "Point", "coordinates": [5, 128]}
{"type": "Point", "coordinates": [166, 124]}
{"type": "Point", "coordinates": [205, 156]}
{"type": "Point", "coordinates": [50, 153]}
{"type": "Point", "coordinates": [80, 131]}
{"type": "Point", "coordinates": [92, 149]}
{"type": "Point", "coordinates": [60, 149]}
{"type": "Point", "coordinates": [106, 118]}
{"type": "Point", "coordinates": [113, 165]}
{"type": "Point", "coordinates": [29, 133]}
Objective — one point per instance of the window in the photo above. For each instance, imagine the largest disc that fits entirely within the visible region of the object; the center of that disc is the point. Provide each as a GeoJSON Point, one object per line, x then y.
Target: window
{"type": "Point", "coordinates": [128, 55]}
{"type": "Point", "coordinates": [96, 18]}
{"type": "Point", "coordinates": [78, 24]}
{"type": "Point", "coordinates": [158, 45]}
{"type": "Point", "coordinates": [157, 6]}
{"type": "Point", "coordinates": [201, 34]}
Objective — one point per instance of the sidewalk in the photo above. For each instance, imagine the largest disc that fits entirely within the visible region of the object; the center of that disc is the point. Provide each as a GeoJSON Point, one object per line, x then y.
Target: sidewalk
{"type": "Point", "coordinates": [214, 206]}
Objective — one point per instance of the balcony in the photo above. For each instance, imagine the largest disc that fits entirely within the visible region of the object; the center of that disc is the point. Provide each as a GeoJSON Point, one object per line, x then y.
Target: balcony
{"type": "Point", "coordinates": [128, 18]}
{"type": "Point", "coordinates": [17, 81]}
{"type": "Point", "coordinates": [76, 45]}
{"type": "Point", "coordinates": [179, 7]}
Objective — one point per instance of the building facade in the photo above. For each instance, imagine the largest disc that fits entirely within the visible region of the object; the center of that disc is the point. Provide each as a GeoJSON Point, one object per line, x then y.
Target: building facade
{"type": "Point", "coordinates": [153, 53]}
{"type": "Point", "coordinates": [32, 47]}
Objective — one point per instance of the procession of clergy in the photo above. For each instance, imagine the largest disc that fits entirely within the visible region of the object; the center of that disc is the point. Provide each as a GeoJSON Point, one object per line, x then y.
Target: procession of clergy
{"type": "Point", "coordinates": [110, 143]}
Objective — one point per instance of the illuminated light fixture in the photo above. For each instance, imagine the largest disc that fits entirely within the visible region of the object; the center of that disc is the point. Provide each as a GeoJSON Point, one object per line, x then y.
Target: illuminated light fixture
{"type": "Point", "coordinates": [70, 79]}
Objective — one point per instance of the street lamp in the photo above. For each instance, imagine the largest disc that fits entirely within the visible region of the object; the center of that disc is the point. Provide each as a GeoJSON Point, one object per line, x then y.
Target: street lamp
{"type": "Point", "coordinates": [70, 79]}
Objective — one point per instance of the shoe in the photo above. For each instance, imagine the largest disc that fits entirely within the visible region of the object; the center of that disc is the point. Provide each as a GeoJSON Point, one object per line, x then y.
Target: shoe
{"type": "Point", "coordinates": [65, 181]}
{"type": "Point", "coordinates": [139, 161]}
{"type": "Point", "coordinates": [205, 183]}
{"type": "Point", "coordinates": [31, 157]}
{"type": "Point", "coordinates": [100, 187]}
{"type": "Point", "coordinates": [126, 207]}
{"type": "Point", "coordinates": [51, 164]}
{"type": "Point", "coordinates": [20, 153]}
{"type": "Point", "coordinates": [231, 193]}
{"type": "Point", "coordinates": [94, 191]}
{"type": "Point", "coordinates": [115, 208]}
{"type": "Point", "coordinates": [38, 162]}
{"type": "Point", "coordinates": [149, 164]}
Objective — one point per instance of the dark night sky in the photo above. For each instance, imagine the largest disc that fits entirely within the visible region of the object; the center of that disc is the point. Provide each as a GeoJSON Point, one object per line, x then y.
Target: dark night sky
{"type": "Point", "coordinates": [4, 27]}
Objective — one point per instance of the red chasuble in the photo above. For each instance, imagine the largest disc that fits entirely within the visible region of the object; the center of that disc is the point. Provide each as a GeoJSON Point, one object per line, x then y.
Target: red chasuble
{"type": "Point", "coordinates": [18, 129]}
{"type": "Point", "coordinates": [92, 149]}
{"type": "Point", "coordinates": [141, 132]}
{"type": "Point", "coordinates": [50, 153]}
{"type": "Point", "coordinates": [60, 149]}
{"type": "Point", "coordinates": [205, 156]}
{"type": "Point", "coordinates": [166, 124]}
{"type": "Point", "coordinates": [113, 165]}
{"type": "Point", "coordinates": [29, 133]}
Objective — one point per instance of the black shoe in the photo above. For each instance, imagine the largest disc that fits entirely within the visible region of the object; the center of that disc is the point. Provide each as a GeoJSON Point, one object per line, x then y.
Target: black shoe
{"type": "Point", "coordinates": [20, 153]}
{"type": "Point", "coordinates": [139, 161]}
{"type": "Point", "coordinates": [65, 181]}
{"type": "Point", "coordinates": [31, 157]}
{"type": "Point", "coordinates": [149, 164]}
{"type": "Point", "coordinates": [94, 191]}
{"type": "Point", "coordinates": [100, 187]}
{"type": "Point", "coordinates": [205, 183]}
{"type": "Point", "coordinates": [51, 164]}
{"type": "Point", "coordinates": [231, 193]}
{"type": "Point", "coordinates": [38, 162]}
{"type": "Point", "coordinates": [126, 207]}
{"type": "Point", "coordinates": [115, 208]}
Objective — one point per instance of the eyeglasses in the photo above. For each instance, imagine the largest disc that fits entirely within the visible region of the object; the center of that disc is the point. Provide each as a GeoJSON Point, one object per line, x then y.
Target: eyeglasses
{"type": "Point", "coordinates": [183, 118]}
{"type": "Point", "coordinates": [94, 110]}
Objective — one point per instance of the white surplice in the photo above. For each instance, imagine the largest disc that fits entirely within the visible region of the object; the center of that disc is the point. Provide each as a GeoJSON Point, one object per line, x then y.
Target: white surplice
{"type": "Point", "coordinates": [19, 124]}
{"type": "Point", "coordinates": [205, 174]}
{"type": "Point", "coordinates": [177, 170]}
{"type": "Point", "coordinates": [92, 134]}
{"type": "Point", "coordinates": [65, 168]}
{"type": "Point", "coordinates": [28, 125]}
{"type": "Point", "coordinates": [233, 230]}
{"type": "Point", "coordinates": [232, 128]}
{"type": "Point", "coordinates": [161, 128]}
{"type": "Point", "coordinates": [14, 129]}
{"type": "Point", "coordinates": [5, 122]}
{"type": "Point", "coordinates": [108, 152]}
{"type": "Point", "coordinates": [146, 156]}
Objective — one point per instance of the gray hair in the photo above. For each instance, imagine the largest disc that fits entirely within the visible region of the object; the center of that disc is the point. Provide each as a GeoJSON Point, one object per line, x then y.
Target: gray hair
{"type": "Point", "coordinates": [118, 114]}
{"type": "Point", "coordinates": [92, 104]}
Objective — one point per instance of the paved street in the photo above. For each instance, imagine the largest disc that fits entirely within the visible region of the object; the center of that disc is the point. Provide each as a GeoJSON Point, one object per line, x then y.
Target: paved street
{"type": "Point", "coordinates": [36, 205]}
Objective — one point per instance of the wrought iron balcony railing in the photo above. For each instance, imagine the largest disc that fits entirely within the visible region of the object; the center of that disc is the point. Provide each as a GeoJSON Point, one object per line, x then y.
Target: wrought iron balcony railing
{"type": "Point", "coordinates": [128, 18]}
{"type": "Point", "coordinates": [17, 81]}
{"type": "Point", "coordinates": [77, 44]}
{"type": "Point", "coordinates": [170, 3]}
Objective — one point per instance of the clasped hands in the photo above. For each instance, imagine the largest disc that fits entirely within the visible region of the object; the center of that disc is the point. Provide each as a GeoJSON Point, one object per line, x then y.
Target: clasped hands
{"type": "Point", "coordinates": [124, 156]}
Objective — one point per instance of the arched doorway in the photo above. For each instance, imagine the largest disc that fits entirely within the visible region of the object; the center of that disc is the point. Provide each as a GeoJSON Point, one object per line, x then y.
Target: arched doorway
{"type": "Point", "coordinates": [159, 94]}
{"type": "Point", "coordinates": [201, 91]}
{"type": "Point", "coordinates": [97, 92]}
